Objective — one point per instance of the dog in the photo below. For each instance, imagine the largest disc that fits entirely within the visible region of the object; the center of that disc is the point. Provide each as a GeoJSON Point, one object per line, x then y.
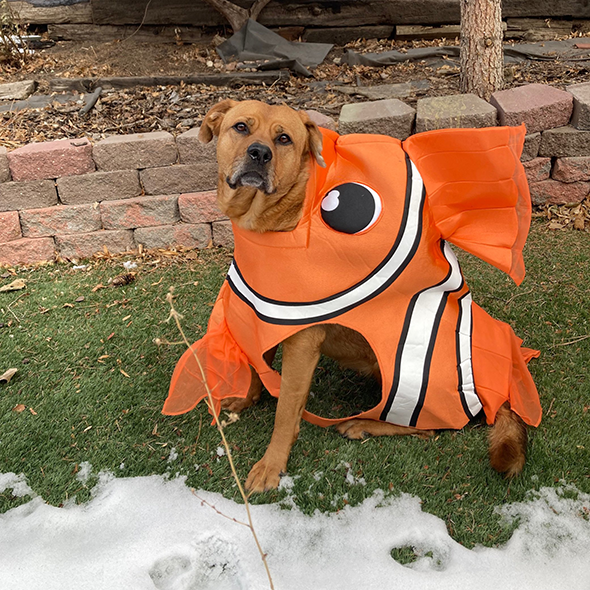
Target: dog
{"type": "Point", "coordinates": [265, 157]}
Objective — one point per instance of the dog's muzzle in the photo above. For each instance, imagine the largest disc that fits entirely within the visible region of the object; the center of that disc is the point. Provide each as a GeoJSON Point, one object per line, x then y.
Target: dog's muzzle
{"type": "Point", "coordinates": [254, 169]}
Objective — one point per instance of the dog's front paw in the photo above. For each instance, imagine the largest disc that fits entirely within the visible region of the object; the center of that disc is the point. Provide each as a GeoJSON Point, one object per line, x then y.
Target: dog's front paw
{"type": "Point", "coordinates": [264, 476]}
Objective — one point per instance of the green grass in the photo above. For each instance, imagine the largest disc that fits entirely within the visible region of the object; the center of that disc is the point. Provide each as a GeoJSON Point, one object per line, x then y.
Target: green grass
{"type": "Point", "coordinates": [87, 409]}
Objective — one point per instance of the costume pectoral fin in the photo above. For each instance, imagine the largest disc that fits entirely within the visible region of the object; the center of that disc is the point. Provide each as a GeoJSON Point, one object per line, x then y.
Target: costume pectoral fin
{"type": "Point", "coordinates": [477, 190]}
{"type": "Point", "coordinates": [224, 365]}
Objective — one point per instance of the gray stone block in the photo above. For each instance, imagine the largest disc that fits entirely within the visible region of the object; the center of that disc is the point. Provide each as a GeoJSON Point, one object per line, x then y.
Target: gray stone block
{"type": "Point", "coordinates": [31, 194]}
{"type": "Point", "coordinates": [458, 110]}
{"type": "Point", "coordinates": [192, 151]}
{"type": "Point", "coordinates": [99, 186]}
{"type": "Point", "coordinates": [4, 169]}
{"type": "Point", "coordinates": [188, 235]}
{"type": "Point", "coordinates": [135, 151]}
{"type": "Point", "coordinates": [531, 146]}
{"type": "Point", "coordinates": [386, 117]}
{"type": "Point", "coordinates": [581, 112]}
{"type": "Point", "coordinates": [565, 142]}
{"type": "Point", "coordinates": [182, 178]}
{"type": "Point", "coordinates": [17, 90]}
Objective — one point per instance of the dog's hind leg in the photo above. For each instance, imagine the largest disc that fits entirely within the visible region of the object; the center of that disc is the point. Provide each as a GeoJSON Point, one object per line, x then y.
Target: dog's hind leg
{"type": "Point", "coordinates": [301, 353]}
{"type": "Point", "coordinates": [359, 428]}
{"type": "Point", "coordinates": [238, 404]}
{"type": "Point", "coordinates": [507, 442]}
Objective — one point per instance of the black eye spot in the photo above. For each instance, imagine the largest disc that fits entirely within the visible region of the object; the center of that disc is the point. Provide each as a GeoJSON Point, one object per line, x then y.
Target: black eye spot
{"type": "Point", "coordinates": [284, 139]}
{"type": "Point", "coordinates": [351, 208]}
{"type": "Point", "coordinates": [241, 127]}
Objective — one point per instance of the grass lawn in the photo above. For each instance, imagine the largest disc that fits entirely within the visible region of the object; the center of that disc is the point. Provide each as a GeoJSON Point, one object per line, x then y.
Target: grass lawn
{"type": "Point", "coordinates": [92, 382]}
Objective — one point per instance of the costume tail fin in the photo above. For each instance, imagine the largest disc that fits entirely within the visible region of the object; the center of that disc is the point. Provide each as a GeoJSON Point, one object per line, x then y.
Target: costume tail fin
{"type": "Point", "coordinates": [225, 366]}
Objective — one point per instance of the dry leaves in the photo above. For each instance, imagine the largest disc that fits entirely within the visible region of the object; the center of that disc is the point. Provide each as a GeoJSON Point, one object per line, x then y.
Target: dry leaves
{"type": "Point", "coordinates": [16, 285]}
{"type": "Point", "coordinates": [8, 375]}
{"type": "Point", "coordinates": [570, 216]}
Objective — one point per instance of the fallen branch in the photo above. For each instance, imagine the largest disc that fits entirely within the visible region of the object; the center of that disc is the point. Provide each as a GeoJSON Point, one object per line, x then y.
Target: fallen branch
{"type": "Point", "coordinates": [236, 15]}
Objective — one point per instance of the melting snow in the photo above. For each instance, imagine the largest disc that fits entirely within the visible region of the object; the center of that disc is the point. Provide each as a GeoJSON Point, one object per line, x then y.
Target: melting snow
{"type": "Point", "coordinates": [150, 533]}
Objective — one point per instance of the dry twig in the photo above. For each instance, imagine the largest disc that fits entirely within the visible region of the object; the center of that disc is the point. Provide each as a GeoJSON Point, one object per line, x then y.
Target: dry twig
{"type": "Point", "coordinates": [211, 403]}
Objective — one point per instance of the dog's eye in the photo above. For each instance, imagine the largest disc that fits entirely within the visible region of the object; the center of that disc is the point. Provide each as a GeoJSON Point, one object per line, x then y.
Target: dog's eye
{"type": "Point", "coordinates": [284, 139]}
{"type": "Point", "coordinates": [351, 208]}
{"type": "Point", "coordinates": [241, 127]}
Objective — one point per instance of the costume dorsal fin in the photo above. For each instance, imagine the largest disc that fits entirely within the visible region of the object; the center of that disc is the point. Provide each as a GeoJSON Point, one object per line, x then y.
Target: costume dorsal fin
{"type": "Point", "coordinates": [477, 191]}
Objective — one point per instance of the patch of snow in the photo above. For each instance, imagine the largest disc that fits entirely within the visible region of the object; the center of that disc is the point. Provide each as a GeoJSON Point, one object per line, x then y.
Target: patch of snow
{"type": "Point", "coordinates": [84, 471]}
{"type": "Point", "coordinates": [148, 532]}
{"type": "Point", "coordinates": [173, 455]}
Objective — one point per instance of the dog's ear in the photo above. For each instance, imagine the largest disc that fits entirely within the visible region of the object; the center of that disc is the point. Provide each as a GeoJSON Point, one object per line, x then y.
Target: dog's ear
{"type": "Point", "coordinates": [212, 121]}
{"type": "Point", "coordinates": [314, 138]}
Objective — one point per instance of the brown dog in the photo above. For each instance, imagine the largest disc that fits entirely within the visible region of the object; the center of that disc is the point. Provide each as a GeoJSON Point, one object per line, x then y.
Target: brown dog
{"type": "Point", "coordinates": [263, 155]}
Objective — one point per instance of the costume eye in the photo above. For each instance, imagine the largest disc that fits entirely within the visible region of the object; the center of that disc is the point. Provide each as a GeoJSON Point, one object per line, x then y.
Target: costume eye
{"type": "Point", "coordinates": [284, 139]}
{"type": "Point", "coordinates": [351, 208]}
{"type": "Point", "coordinates": [241, 127]}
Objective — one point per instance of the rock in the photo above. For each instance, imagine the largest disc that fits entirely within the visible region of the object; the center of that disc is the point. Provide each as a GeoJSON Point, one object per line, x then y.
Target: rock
{"type": "Point", "coordinates": [386, 91]}
{"type": "Point", "coordinates": [17, 90]}
{"type": "Point", "coordinates": [459, 110]}
{"type": "Point", "coordinates": [538, 106]}
{"type": "Point", "coordinates": [581, 112]}
{"type": "Point", "coordinates": [386, 117]}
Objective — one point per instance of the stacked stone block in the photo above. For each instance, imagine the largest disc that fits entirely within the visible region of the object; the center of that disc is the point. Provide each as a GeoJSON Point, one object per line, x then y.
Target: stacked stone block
{"type": "Point", "coordinates": [71, 199]}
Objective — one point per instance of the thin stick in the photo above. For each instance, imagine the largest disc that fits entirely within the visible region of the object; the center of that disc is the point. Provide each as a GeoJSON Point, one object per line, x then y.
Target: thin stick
{"type": "Point", "coordinates": [574, 341]}
{"type": "Point", "coordinates": [211, 402]}
{"type": "Point", "coordinates": [203, 501]}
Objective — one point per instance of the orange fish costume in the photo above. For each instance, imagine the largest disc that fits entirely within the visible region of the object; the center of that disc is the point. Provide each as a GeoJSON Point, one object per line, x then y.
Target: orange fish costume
{"type": "Point", "coordinates": [371, 253]}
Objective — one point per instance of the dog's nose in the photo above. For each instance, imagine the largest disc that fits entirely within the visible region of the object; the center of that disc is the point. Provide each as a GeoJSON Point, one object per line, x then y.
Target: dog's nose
{"type": "Point", "coordinates": [260, 153]}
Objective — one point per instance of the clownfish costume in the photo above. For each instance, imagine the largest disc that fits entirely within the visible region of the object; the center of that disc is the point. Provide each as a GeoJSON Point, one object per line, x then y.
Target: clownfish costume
{"type": "Point", "coordinates": [371, 252]}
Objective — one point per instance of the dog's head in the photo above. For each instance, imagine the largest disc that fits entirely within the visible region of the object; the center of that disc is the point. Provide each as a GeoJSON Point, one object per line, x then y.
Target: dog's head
{"type": "Point", "coordinates": [261, 146]}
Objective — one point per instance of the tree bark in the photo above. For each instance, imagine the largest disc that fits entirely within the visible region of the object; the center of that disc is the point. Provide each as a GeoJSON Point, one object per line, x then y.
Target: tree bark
{"type": "Point", "coordinates": [236, 15]}
{"type": "Point", "coordinates": [482, 59]}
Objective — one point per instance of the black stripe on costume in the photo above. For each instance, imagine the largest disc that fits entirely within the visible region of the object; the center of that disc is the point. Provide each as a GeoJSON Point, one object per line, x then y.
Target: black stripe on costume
{"type": "Point", "coordinates": [375, 293]}
{"type": "Point", "coordinates": [421, 394]}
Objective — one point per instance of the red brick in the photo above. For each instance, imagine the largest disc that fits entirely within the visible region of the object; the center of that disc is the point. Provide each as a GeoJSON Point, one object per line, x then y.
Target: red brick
{"type": "Point", "coordinates": [572, 169]}
{"type": "Point", "coordinates": [27, 251]}
{"type": "Point", "coordinates": [78, 246]}
{"type": "Point", "coordinates": [553, 192]}
{"type": "Point", "coordinates": [223, 234]}
{"type": "Point", "coordinates": [538, 106]}
{"type": "Point", "coordinates": [140, 212]}
{"type": "Point", "coordinates": [135, 151]}
{"type": "Point", "coordinates": [52, 159]}
{"type": "Point", "coordinates": [189, 235]}
{"type": "Point", "coordinates": [4, 170]}
{"type": "Point", "coordinates": [32, 194]}
{"type": "Point", "coordinates": [62, 219]}
{"type": "Point", "coordinates": [9, 227]}
{"type": "Point", "coordinates": [537, 169]}
{"type": "Point", "coordinates": [200, 207]}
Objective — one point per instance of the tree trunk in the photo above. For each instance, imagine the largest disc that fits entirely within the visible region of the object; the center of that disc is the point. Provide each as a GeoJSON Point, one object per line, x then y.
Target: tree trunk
{"type": "Point", "coordinates": [236, 15]}
{"type": "Point", "coordinates": [482, 59]}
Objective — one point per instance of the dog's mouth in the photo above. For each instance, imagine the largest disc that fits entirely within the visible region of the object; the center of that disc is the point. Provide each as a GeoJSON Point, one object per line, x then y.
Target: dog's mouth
{"type": "Point", "coordinates": [254, 178]}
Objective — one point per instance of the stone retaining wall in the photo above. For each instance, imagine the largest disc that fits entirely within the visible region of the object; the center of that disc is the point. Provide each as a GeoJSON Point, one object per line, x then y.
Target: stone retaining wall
{"type": "Point", "coordinates": [70, 199]}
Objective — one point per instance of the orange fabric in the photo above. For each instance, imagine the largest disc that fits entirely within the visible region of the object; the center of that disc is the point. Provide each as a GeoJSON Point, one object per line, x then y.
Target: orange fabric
{"type": "Point", "coordinates": [441, 357]}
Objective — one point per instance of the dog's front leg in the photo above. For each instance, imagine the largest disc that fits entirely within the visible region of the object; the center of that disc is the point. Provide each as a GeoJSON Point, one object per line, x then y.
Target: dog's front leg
{"type": "Point", "coordinates": [301, 353]}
